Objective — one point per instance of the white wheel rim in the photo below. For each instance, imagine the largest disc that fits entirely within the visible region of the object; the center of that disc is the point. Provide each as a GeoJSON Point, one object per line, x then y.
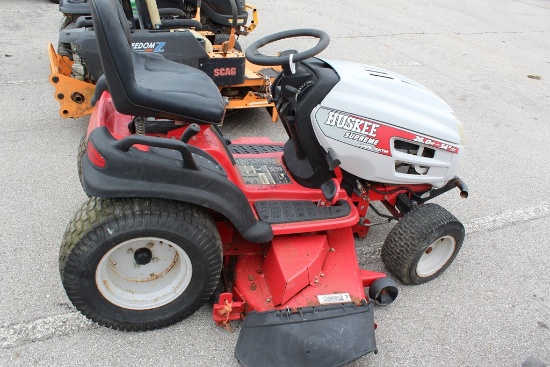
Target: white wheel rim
{"type": "Point", "coordinates": [436, 256]}
{"type": "Point", "coordinates": [154, 283]}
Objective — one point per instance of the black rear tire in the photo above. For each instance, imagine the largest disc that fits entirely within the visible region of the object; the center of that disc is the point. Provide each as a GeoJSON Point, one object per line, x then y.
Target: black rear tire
{"type": "Point", "coordinates": [65, 49]}
{"type": "Point", "coordinates": [139, 264]}
{"type": "Point", "coordinates": [422, 245]}
{"type": "Point", "coordinates": [81, 151]}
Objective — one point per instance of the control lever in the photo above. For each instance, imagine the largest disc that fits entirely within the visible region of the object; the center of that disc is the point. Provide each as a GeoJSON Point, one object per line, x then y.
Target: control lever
{"type": "Point", "coordinates": [191, 131]}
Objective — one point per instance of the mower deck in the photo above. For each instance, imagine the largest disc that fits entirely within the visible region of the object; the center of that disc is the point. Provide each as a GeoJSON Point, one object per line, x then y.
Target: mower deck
{"type": "Point", "coordinates": [294, 271]}
{"type": "Point", "coordinates": [299, 311]}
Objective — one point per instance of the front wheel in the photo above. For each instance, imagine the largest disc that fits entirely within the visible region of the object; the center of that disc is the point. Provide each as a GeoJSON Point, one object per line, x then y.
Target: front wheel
{"type": "Point", "coordinates": [139, 264]}
{"type": "Point", "coordinates": [422, 245]}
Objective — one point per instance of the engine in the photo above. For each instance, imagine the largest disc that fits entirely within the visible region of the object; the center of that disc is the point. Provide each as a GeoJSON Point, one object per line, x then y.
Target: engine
{"type": "Point", "coordinates": [387, 128]}
{"type": "Point", "coordinates": [374, 124]}
{"type": "Point", "coordinates": [79, 44]}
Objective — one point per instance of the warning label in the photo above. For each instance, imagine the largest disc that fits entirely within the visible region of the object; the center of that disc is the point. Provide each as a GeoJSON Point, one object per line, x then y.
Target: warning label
{"type": "Point", "coordinates": [326, 299]}
{"type": "Point", "coordinates": [262, 171]}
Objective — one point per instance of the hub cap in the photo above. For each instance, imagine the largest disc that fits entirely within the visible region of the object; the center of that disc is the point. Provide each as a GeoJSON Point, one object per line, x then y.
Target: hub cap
{"type": "Point", "coordinates": [436, 256]}
{"type": "Point", "coordinates": [143, 273]}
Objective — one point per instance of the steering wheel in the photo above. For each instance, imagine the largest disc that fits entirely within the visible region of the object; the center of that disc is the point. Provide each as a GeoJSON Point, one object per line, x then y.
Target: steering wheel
{"type": "Point", "coordinates": [256, 57]}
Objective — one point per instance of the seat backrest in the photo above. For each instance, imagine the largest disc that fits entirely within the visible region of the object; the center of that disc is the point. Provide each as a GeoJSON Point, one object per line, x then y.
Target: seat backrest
{"type": "Point", "coordinates": [143, 15]}
{"type": "Point", "coordinates": [115, 51]}
{"type": "Point", "coordinates": [144, 83]}
{"type": "Point", "coordinates": [174, 7]}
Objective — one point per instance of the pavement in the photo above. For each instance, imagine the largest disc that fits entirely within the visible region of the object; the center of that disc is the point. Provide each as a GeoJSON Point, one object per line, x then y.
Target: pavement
{"type": "Point", "coordinates": [489, 59]}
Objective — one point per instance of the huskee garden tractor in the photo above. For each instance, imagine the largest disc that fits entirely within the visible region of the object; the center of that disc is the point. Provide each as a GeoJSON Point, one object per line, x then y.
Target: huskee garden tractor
{"type": "Point", "coordinates": [201, 34]}
{"type": "Point", "coordinates": [179, 214]}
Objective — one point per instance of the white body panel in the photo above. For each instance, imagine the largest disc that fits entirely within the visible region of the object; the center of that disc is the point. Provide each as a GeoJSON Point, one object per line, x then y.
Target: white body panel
{"type": "Point", "coordinates": [369, 109]}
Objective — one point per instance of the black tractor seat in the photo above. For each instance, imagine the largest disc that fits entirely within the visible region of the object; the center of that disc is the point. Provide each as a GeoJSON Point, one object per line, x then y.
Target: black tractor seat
{"type": "Point", "coordinates": [145, 84]}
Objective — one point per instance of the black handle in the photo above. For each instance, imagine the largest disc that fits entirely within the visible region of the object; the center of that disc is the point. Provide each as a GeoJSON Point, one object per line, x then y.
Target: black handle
{"type": "Point", "coordinates": [191, 131]}
{"type": "Point", "coordinates": [129, 141]}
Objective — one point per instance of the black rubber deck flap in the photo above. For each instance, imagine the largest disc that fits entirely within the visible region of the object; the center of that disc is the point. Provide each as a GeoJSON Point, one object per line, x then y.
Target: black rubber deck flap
{"type": "Point", "coordinates": [255, 149]}
{"type": "Point", "coordinates": [285, 211]}
{"type": "Point", "coordinates": [321, 336]}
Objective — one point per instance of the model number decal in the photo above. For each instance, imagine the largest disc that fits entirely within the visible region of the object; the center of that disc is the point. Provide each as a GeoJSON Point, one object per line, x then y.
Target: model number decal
{"type": "Point", "coordinates": [148, 46]}
{"type": "Point", "coordinates": [435, 143]}
{"type": "Point", "coordinates": [326, 299]}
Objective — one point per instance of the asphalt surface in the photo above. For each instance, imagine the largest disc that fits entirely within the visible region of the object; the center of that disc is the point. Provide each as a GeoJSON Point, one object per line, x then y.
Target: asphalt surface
{"type": "Point", "coordinates": [489, 59]}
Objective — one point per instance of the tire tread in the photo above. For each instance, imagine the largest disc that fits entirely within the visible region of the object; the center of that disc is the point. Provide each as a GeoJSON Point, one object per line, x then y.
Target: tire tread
{"type": "Point", "coordinates": [98, 215]}
{"type": "Point", "coordinates": [408, 236]}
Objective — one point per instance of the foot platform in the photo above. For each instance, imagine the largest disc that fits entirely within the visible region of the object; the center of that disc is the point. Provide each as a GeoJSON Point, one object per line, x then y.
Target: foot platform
{"type": "Point", "coordinates": [284, 211]}
{"type": "Point", "coordinates": [254, 148]}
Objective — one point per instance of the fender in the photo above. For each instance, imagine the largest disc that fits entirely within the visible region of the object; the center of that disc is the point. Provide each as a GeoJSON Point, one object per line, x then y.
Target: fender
{"type": "Point", "coordinates": [130, 172]}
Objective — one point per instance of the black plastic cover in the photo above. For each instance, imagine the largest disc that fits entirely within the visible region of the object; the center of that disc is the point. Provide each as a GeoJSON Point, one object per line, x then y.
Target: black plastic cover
{"type": "Point", "coordinates": [224, 70]}
{"type": "Point", "coordinates": [304, 157]}
{"type": "Point", "coordinates": [130, 172]}
{"type": "Point", "coordinates": [321, 336]}
{"type": "Point", "coordinates": [180, 47]}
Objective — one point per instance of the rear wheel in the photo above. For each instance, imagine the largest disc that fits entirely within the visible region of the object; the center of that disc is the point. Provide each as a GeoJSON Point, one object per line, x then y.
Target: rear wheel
{"type": "Point", "coordinates": [139, 264]}
{"type": "Point", "coordinates": [423, 244]}
{"type": "Point", "coordinates": [64, 49]}
{"type": "Point", "coordinates": [81, 151]}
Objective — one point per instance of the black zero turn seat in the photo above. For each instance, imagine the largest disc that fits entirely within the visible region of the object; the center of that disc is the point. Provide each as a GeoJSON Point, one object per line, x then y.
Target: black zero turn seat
{"type": "Point", "coordinates": [145, 84]}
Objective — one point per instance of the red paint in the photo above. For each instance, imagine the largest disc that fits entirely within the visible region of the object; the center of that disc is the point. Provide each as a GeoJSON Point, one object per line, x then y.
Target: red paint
{"type": "Point", "coordinates": [377, 134]}
{"type": "Point", "coordinates": [338, 273]}
{"type": "Point", "coordinates": [105, 114]}
{"type": "Point", "coordinates": [292, 263]}
{"type": "Point", "coordinates": [369, 276]}
{"type": "Point", "coordinates": [227, 309]}
{"type": "Point", "coordinates": [305, 259]}
{"type": "Point", "coordinates": [95, 157]}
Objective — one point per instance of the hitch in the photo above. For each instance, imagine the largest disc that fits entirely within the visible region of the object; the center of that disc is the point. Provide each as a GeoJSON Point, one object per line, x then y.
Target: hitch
{"type": "Point", "coordinates": [227, 310]}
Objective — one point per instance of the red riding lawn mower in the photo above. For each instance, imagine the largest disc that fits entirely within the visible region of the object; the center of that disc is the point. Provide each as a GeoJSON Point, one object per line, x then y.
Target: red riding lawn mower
{"type": "Point", "coordinates": [178, 214]}
{"type": "Point", "coordinates": [201, 34]}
